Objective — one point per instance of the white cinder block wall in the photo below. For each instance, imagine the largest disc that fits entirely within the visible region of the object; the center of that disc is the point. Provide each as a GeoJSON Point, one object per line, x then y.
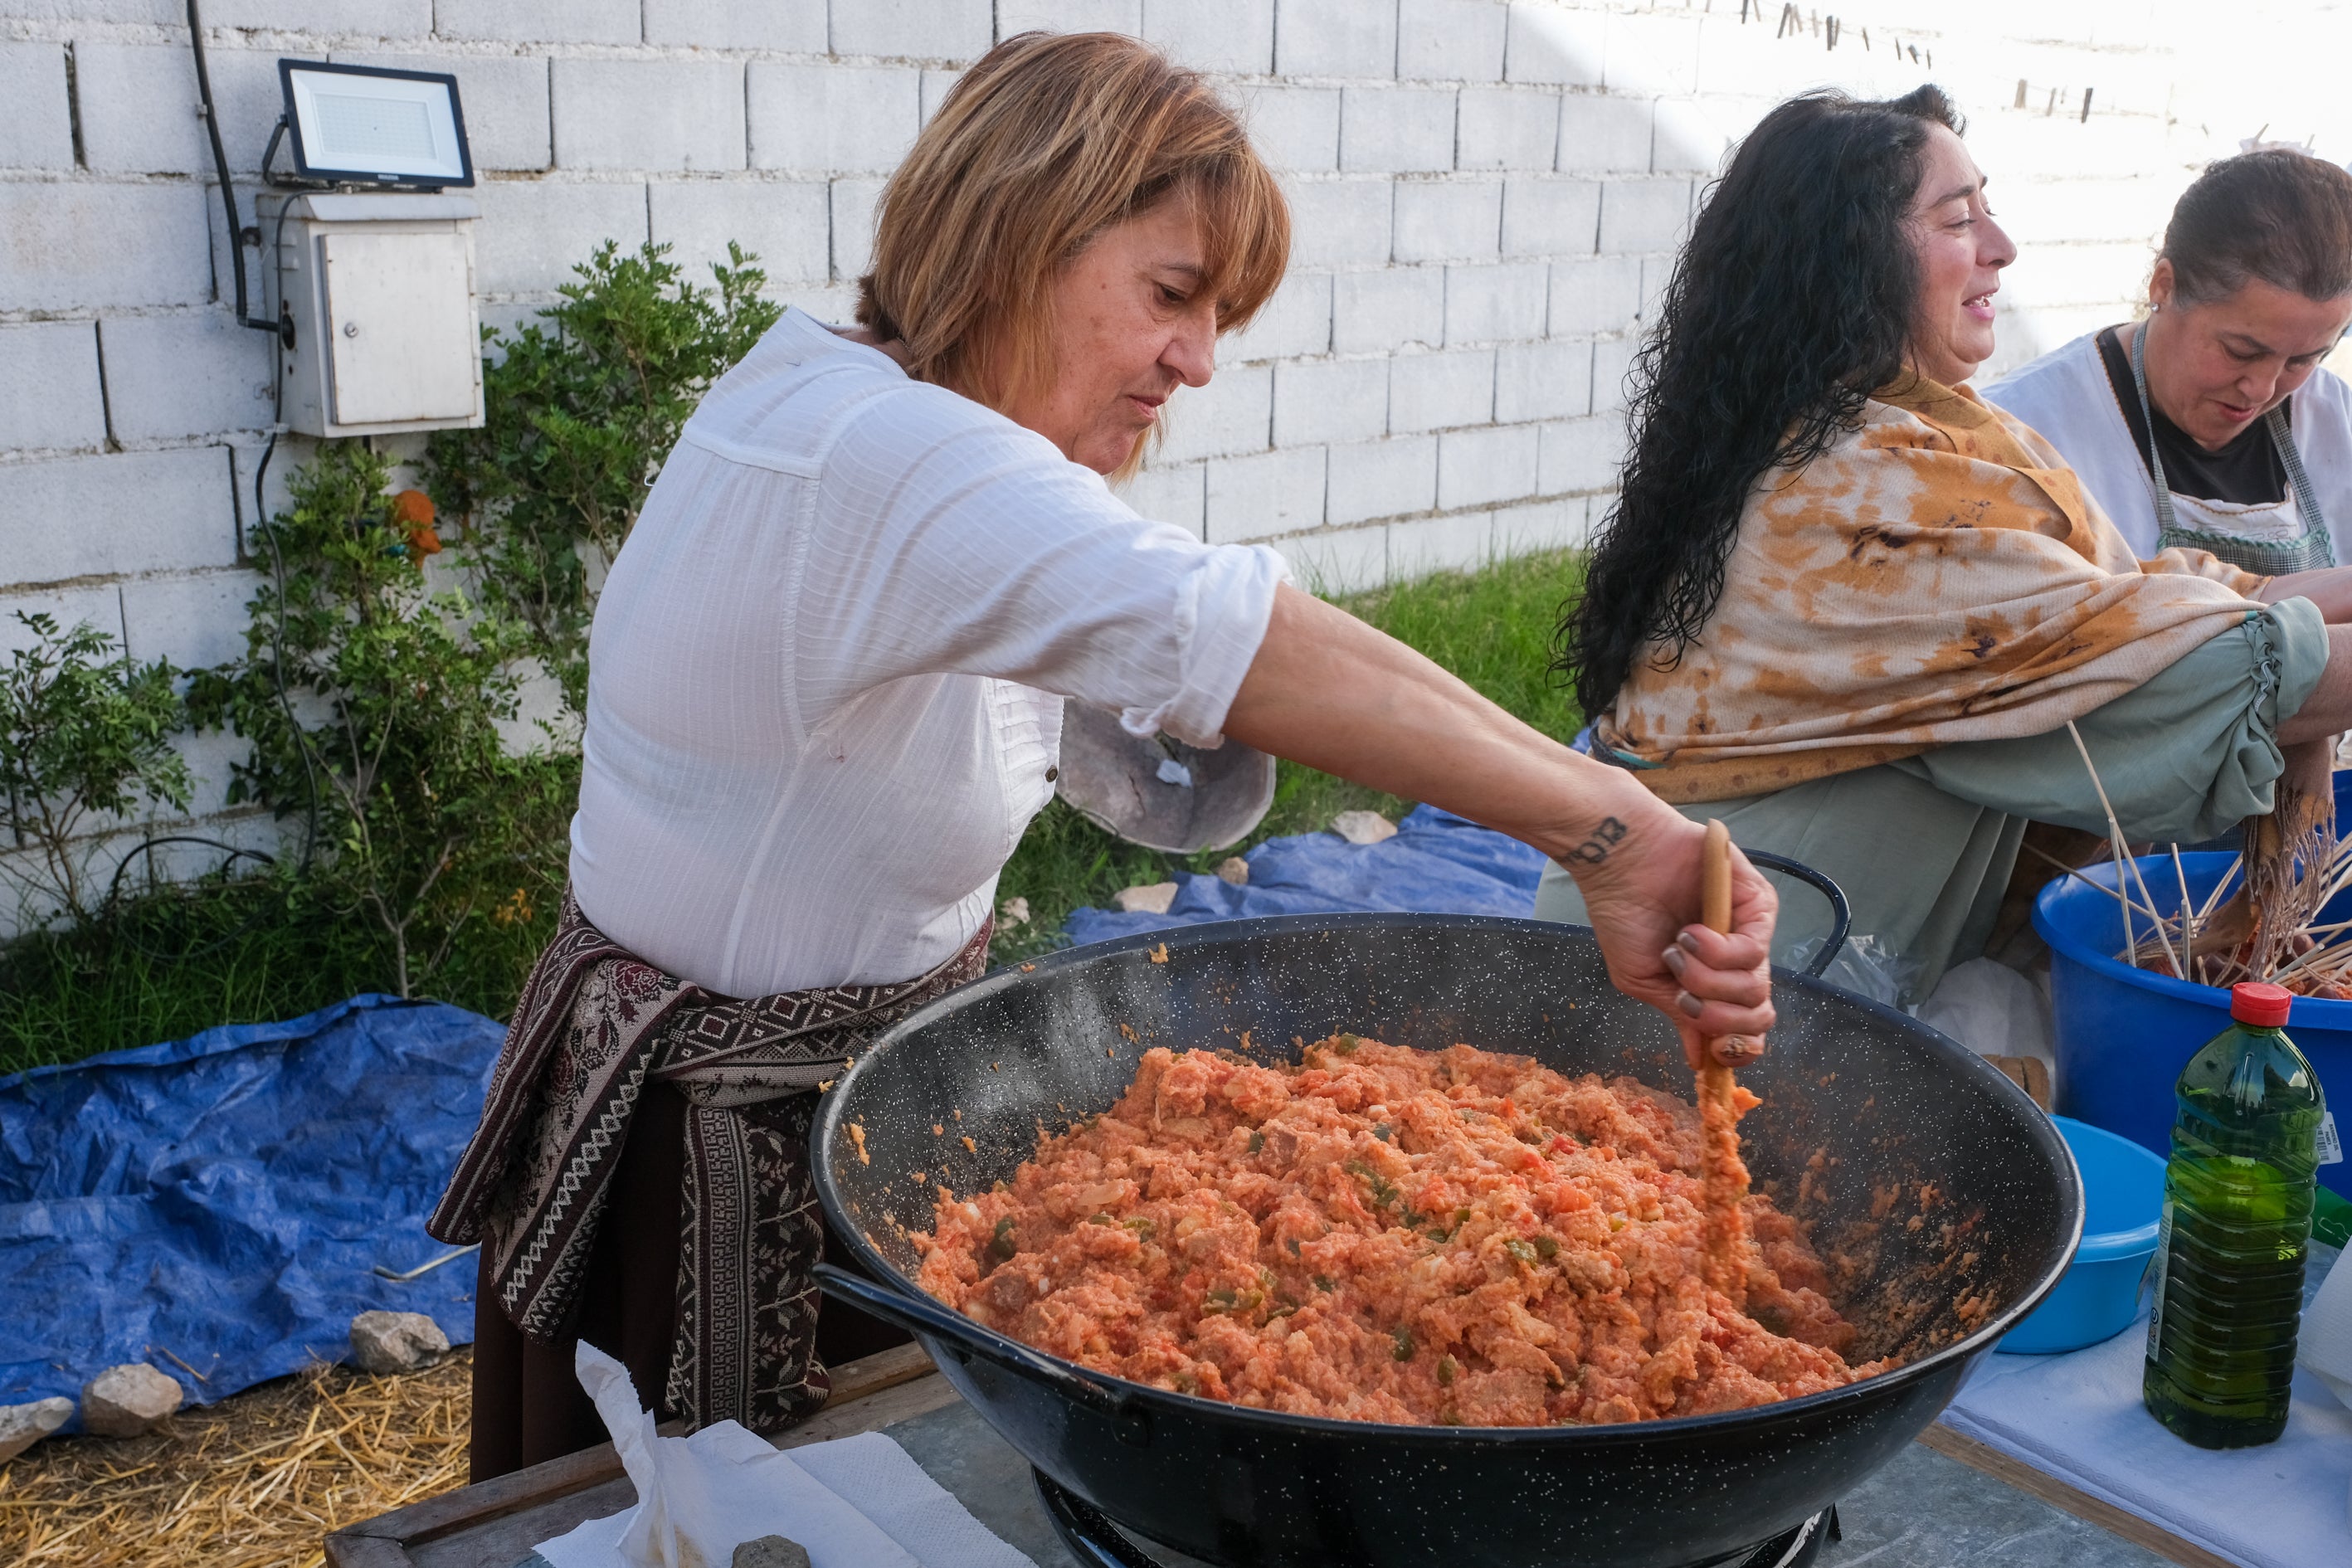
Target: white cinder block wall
{"type": "Point", "coordinates": [1486, 195]}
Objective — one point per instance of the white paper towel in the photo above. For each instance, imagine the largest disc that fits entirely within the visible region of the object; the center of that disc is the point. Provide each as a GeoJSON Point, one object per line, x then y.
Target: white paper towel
{"type": "Point", "coordinates": [2324, 1343]}
{"type": "Point", "coordinates": [2323, 1348]}
{"type": "Point", "coordinates": [859, 1502]}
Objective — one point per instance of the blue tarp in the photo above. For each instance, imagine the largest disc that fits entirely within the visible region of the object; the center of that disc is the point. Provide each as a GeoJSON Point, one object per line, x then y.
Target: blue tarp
{"type": "Point", "coordinates": [225, 1198]}
{"type": "Point", "coordinates": [1438, 863]}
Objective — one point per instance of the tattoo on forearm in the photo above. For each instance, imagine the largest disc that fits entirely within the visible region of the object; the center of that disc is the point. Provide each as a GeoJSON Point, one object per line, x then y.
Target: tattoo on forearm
{"type": "Point", "coordinates": [1595, 849]}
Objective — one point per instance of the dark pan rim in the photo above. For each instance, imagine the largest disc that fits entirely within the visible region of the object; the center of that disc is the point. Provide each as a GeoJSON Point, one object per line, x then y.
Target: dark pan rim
{"type": "Point", "coordinates": [2041, 1130]}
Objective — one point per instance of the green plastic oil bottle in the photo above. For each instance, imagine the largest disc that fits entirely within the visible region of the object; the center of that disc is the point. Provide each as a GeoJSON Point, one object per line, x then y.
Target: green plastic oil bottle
{"type": "Point", "coordinates": [2238, 1195]}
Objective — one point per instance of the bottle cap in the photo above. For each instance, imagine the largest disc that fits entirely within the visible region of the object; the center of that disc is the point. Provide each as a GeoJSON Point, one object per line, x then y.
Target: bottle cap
{"type": "Point", "coordinates": [2261, 1003]}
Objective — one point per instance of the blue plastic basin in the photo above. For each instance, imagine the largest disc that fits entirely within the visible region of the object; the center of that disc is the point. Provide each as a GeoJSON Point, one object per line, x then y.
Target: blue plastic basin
{"type": "Point", "coordinates": [2098, 1296]}
{"type": "Point", "coordinates": [2124, 1033]}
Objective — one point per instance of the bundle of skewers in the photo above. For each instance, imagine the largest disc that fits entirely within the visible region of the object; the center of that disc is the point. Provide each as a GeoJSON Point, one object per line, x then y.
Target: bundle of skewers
{"type": "Point", "coordinates": [2262, 919]}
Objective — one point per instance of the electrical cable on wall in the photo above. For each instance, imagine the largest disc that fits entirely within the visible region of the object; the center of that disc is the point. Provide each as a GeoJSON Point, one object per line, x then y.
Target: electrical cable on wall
{"type": "Point", "coordinates": [282, 330]}
{"type": "Point", "coordinates": [228, 192]}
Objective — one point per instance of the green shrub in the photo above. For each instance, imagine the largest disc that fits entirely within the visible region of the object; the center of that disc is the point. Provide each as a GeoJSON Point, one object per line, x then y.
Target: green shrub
{"type": "Point", "coordinates": [85, 733]}
{"type": "Point", "coordinates": [374, 707]}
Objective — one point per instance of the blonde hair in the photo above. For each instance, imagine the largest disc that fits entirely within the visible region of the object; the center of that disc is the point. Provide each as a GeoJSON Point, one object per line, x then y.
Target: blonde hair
{"type": "Point", "coordinates": [1045, 141]}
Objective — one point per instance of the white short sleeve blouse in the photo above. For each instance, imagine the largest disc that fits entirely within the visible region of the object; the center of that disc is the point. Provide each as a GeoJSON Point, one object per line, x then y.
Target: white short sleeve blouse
{"type": "Point", "coordinates": [826, 671]}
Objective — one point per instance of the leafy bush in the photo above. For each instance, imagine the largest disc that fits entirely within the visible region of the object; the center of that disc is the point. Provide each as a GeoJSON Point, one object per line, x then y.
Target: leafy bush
{"type": "Point", "coordinates": [580, 413]}
{"type": "Point", "coordinates": [375, 705]}
{"type": "Point", "coordinates": [85, 733]}
{"type": "Point", "coordinates": [380, 699]}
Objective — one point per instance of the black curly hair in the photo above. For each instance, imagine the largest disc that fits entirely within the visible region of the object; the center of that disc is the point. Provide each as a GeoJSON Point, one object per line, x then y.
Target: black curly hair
{"type": "Point", "coordinates": [1788, 307]}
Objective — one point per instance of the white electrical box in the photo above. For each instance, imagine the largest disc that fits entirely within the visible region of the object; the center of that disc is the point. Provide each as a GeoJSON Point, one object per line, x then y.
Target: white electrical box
{"type": "Point", "coordinates": [379, 292]}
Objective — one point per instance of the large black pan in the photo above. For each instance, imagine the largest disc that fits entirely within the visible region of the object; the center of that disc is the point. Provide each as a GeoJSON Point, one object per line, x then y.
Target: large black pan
{"type": "Point", "coordinates": [1862, 1107]}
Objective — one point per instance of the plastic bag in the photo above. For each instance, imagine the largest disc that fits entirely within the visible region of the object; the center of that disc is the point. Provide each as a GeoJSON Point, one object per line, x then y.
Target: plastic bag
{"type": "Point", "coordinates": [1993, 1010]}
{"type": "Point", "coordinates": [1863, 965]}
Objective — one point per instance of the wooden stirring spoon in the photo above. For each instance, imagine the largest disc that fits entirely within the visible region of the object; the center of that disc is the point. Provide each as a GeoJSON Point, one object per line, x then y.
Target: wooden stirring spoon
{"type": "Point", "coordinates": [1723, 1175]}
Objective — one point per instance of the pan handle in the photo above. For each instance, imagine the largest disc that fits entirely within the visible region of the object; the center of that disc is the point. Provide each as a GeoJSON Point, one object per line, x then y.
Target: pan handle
{"type": "Point", "coordinates": [922, 1315]}
{"type": "Point", "coordinates": [1840, 913]}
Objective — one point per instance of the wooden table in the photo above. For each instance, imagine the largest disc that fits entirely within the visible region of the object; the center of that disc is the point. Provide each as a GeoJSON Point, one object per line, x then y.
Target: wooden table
{"type": "Point", "coordinates": [1923, 1513]}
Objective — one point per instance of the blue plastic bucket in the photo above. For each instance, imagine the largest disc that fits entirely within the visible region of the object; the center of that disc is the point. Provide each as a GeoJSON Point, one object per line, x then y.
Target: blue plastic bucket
{"type": "Point", "coordinates": [2124, 1033]}
{"type": "Point", "coordinates": [2098, 1296]}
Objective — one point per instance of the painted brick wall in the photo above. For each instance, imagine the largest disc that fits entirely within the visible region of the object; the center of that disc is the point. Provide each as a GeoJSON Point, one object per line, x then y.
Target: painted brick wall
{"type": "Point", "coordinates": [1486, 196]}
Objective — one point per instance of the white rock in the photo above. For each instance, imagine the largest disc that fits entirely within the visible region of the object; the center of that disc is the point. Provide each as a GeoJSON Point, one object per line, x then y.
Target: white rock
{"type": "Point", "coordinates": [127, 1401]}
{"type": "Point", "coordinates": [388, 1342]}
{"type": "Point", "coordinates": [22, 1426]}
{"type": "Point", "coordinates": [1012, 914]}
{"type": "Point", "coordinates": [1233, 869]}
{"type": "Point", "coordinates": [1363, 826]}
{"type": "Point", "coordinates": [1150, 899]}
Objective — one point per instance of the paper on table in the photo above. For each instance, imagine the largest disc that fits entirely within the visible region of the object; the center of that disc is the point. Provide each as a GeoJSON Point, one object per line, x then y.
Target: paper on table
{"type": "Point", "coordinates": [915, 1511]}
{"type": "Point", "coordinates": [2324, 1344]}
{"type": "Point", "coordinates": [699, 1497]}
{"type": "Point", "coordinates": [2079, 1417]}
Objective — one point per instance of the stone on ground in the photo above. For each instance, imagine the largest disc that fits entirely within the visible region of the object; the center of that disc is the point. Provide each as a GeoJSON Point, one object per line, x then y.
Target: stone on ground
{"type": "Point", "coordinates": [1233, 869]}
{"type": "Point", "coordinates": [388, 1343]}
{"type": "Point", "coordinates": [771, 1552]}
{"type": "Point", "coordinates": [22, 1426]}
{"type": "Point", "coordinates": [1149, 898]}
{"type": "Point", "coordinates": [1363, 826]}
{"type": "Point", "coordinates": [127, 1401]}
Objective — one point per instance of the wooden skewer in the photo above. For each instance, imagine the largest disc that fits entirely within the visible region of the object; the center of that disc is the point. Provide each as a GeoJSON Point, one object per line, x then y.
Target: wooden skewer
{"type": "Point", "coordinates": [1722, 1175]}
{"type": "Point", "coordinates": [2123, 898]}
{"type": "Point", "coordinates": [2188, 926]}
{"type": "Point", "coordinates": [2126, 863]}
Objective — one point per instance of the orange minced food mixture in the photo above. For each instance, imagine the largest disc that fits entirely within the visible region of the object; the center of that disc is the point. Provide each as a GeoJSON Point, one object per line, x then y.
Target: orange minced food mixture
{"type": "Point", "coordinates": [1383, 1233]}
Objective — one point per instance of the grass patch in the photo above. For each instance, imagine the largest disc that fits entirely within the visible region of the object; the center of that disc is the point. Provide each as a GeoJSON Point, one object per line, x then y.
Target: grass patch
{"type": "Point", "coordinates": [1492, 628]}
{"type": "Point", "coordinates": [258, 950]}
{"type": "Point", "coordinates": [237, 953]}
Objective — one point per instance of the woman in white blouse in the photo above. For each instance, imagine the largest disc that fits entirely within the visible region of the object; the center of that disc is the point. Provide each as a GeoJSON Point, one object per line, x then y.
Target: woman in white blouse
{"type": "Point", "coordinates": [825, 687]}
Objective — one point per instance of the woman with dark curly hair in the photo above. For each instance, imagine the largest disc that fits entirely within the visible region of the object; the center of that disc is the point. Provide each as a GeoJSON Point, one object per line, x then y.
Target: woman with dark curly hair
{"type": "Point", "coordinates": [1860, 615]}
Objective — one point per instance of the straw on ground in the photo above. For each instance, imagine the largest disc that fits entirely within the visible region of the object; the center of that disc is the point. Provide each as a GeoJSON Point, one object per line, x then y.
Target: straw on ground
{"type": "Point", "coordinates": [256, 1481]}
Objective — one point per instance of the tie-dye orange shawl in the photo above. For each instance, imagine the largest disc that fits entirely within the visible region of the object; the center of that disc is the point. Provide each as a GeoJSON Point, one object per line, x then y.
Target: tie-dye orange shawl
{"type": "Point", "coordinates": [1937, 575]}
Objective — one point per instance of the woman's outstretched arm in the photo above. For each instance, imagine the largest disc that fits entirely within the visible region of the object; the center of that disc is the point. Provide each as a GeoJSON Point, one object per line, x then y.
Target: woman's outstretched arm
{"type": "Point", "coordinates": [2329, 587]}
{"type": "Point", "coordinates": [1329, 691]}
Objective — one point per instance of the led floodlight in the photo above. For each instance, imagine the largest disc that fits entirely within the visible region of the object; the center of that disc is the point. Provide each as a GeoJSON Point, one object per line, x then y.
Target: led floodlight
{"type": "Point", "coordinates": [365, 125]}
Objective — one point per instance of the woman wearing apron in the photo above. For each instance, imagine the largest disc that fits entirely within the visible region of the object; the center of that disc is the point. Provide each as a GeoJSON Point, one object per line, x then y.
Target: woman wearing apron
{"type": "Point", "coordinates": [825, 699]}
{"type": "Point", "coordinates": [2210, 426]}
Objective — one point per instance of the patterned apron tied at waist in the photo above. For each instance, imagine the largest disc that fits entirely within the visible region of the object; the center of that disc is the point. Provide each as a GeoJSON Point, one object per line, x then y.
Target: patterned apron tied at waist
{"type": "Point", "coordinates": [593, 1022]}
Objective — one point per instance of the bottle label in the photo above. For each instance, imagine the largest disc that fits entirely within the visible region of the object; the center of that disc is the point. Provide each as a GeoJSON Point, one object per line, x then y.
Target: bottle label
{"type": "Point", "coordinates": [2163, 1268]}
{"type": "Point", "coordinates": [2330, 1149]}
